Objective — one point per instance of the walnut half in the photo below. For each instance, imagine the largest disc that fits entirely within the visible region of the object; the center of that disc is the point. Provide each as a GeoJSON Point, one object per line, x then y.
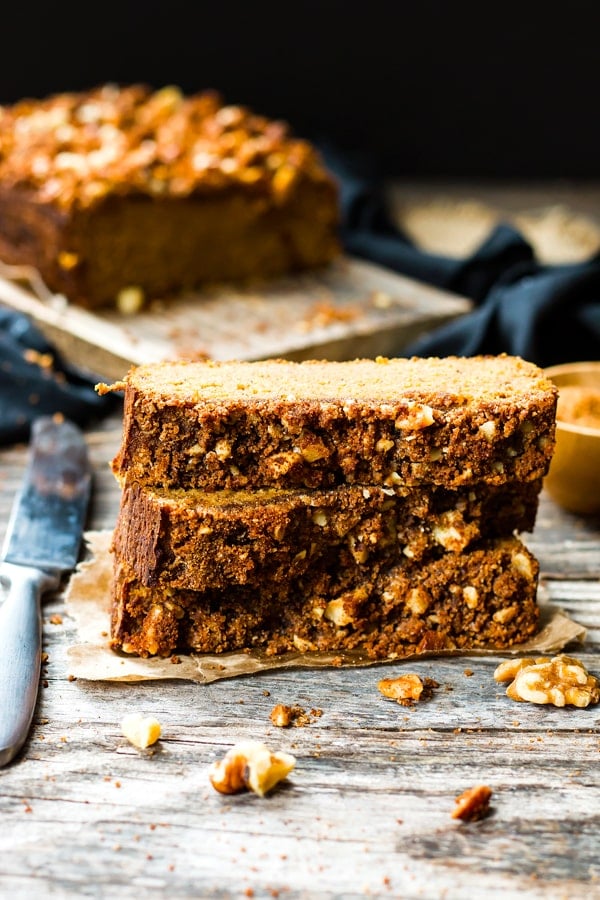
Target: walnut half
{"type": "Point", "coordinates": [561, 681]}
{"type": "Point", "coordinates": [250, 765]}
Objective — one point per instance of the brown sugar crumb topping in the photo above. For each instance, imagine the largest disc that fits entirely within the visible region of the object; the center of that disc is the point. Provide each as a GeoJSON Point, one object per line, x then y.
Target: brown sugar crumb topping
{"type": "Point", "coordinates": [473, 804]}
{"type": "Point", "coordinates": [78, 147]}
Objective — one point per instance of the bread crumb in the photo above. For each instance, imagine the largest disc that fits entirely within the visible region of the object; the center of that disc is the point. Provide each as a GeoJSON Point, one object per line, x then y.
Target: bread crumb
{"type": "Point", "coordinates": [473, 804]}
{"type": "Point", "coordinates": [407, 689]}
{"type": "Point", "coordinates": [283, 716]}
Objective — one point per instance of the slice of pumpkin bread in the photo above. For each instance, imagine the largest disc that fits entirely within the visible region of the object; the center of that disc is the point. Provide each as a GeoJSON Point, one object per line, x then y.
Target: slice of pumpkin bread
{"type": "Point", "coordinates": [393, 422]}
{"type": "Point", "coordinates": [197, 540]}
{"type": "Point", "coordinates": [482, 597]}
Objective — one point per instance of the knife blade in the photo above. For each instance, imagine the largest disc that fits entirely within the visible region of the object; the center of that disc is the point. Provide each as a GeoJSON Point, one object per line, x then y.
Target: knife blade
{"type": "Point", "coordinates": [42, 543]}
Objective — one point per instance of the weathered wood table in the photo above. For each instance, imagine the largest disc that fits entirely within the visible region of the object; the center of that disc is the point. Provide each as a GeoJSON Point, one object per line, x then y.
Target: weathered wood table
{"type": "Point", "coordinates": [366, 811]}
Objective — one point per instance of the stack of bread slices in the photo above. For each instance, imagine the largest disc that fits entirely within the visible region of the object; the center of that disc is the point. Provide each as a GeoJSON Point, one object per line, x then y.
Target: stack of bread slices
{"type": "Point", "coordinates": [373, 505]}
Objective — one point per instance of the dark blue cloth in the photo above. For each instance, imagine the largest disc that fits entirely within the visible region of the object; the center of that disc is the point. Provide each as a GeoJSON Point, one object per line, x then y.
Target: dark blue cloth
{"type": "Point", "coordinates": [546, 314]}
{"type": "Point", "coordinates": [32, 385]}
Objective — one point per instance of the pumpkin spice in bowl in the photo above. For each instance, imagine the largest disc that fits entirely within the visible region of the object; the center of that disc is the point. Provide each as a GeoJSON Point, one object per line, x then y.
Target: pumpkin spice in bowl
{"type": "Point", "coordinates": [574, 477]}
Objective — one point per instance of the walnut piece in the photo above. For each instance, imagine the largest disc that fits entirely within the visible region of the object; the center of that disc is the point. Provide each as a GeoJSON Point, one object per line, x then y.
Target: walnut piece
{"type": "Point", "coordinates": [417, 416]}
{"type": "Point", "coordinates": [335, 612]}
{"type": "Point", "coordinates": [250, 765]}
{"type": "Point", "coordinates": [561, 681]}
{"type": "Point", "coordinates": [407, 689]}
{"type": "Point", "coordinates": [141, 731]}
{"type": "Point", "coordinates": [473, 804]}
{"type": "Point", "coordinates": [130, 300]}
{"type": "Point", "coordinates": [507, 671]}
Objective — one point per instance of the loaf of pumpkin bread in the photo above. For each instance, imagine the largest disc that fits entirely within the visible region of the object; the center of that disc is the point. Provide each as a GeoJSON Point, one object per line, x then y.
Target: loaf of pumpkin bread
{"type": "Point", "coordinates": [448, 421]}
{"type": "Point", "coordinates": [122, 194]}
{"type": "Point", "coordinates": [482, 597]}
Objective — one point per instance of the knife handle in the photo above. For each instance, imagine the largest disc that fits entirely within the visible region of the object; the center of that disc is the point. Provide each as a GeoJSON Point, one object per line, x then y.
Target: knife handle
{"type": "Point", "coordinates": [20, 653]}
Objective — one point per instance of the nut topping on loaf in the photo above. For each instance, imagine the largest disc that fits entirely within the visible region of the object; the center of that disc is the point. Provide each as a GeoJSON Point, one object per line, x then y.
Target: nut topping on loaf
{"type": "Point", "coordinates": [123, 194]}
{"type": "Point", "coordinates": [79, 147]}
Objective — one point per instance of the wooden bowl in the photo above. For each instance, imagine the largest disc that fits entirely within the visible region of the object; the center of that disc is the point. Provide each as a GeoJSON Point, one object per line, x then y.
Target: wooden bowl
{"type": "Point", "coordinates": [573, 480]}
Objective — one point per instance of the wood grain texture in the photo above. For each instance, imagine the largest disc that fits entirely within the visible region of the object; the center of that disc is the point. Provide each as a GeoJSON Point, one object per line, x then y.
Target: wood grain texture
{"type": "Point", "coordinates": [350, 308]}
{"type": "Point", "coordinates": [366, 811]}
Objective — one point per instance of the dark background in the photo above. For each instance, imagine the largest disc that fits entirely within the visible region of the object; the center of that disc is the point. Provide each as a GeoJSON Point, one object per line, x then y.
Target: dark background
{"type": "Point", "coordinates": [422, 89]}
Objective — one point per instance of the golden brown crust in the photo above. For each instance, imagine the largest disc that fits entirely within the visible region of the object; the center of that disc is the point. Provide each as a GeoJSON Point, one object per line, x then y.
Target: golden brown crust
{"type": "Point", "coordinates": [450, 421]}
{"type": "Point", "coordinates": [196, 540]}
{"type": "Point", "coordinates": [483, 597]}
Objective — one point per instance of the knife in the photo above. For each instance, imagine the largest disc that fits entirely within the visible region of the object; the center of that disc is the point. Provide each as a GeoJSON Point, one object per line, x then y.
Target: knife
{"type": "Point", "coordinates": [42, 543]}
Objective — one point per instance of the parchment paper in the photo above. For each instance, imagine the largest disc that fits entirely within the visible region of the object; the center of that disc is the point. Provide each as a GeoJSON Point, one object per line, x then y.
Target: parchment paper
{"type": "Point", "coordinates": [87, 601]}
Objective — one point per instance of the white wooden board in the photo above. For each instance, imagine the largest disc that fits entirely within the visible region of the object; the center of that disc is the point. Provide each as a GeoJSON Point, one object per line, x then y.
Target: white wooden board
{"type": "Point", "coordinates": [351, 308]}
